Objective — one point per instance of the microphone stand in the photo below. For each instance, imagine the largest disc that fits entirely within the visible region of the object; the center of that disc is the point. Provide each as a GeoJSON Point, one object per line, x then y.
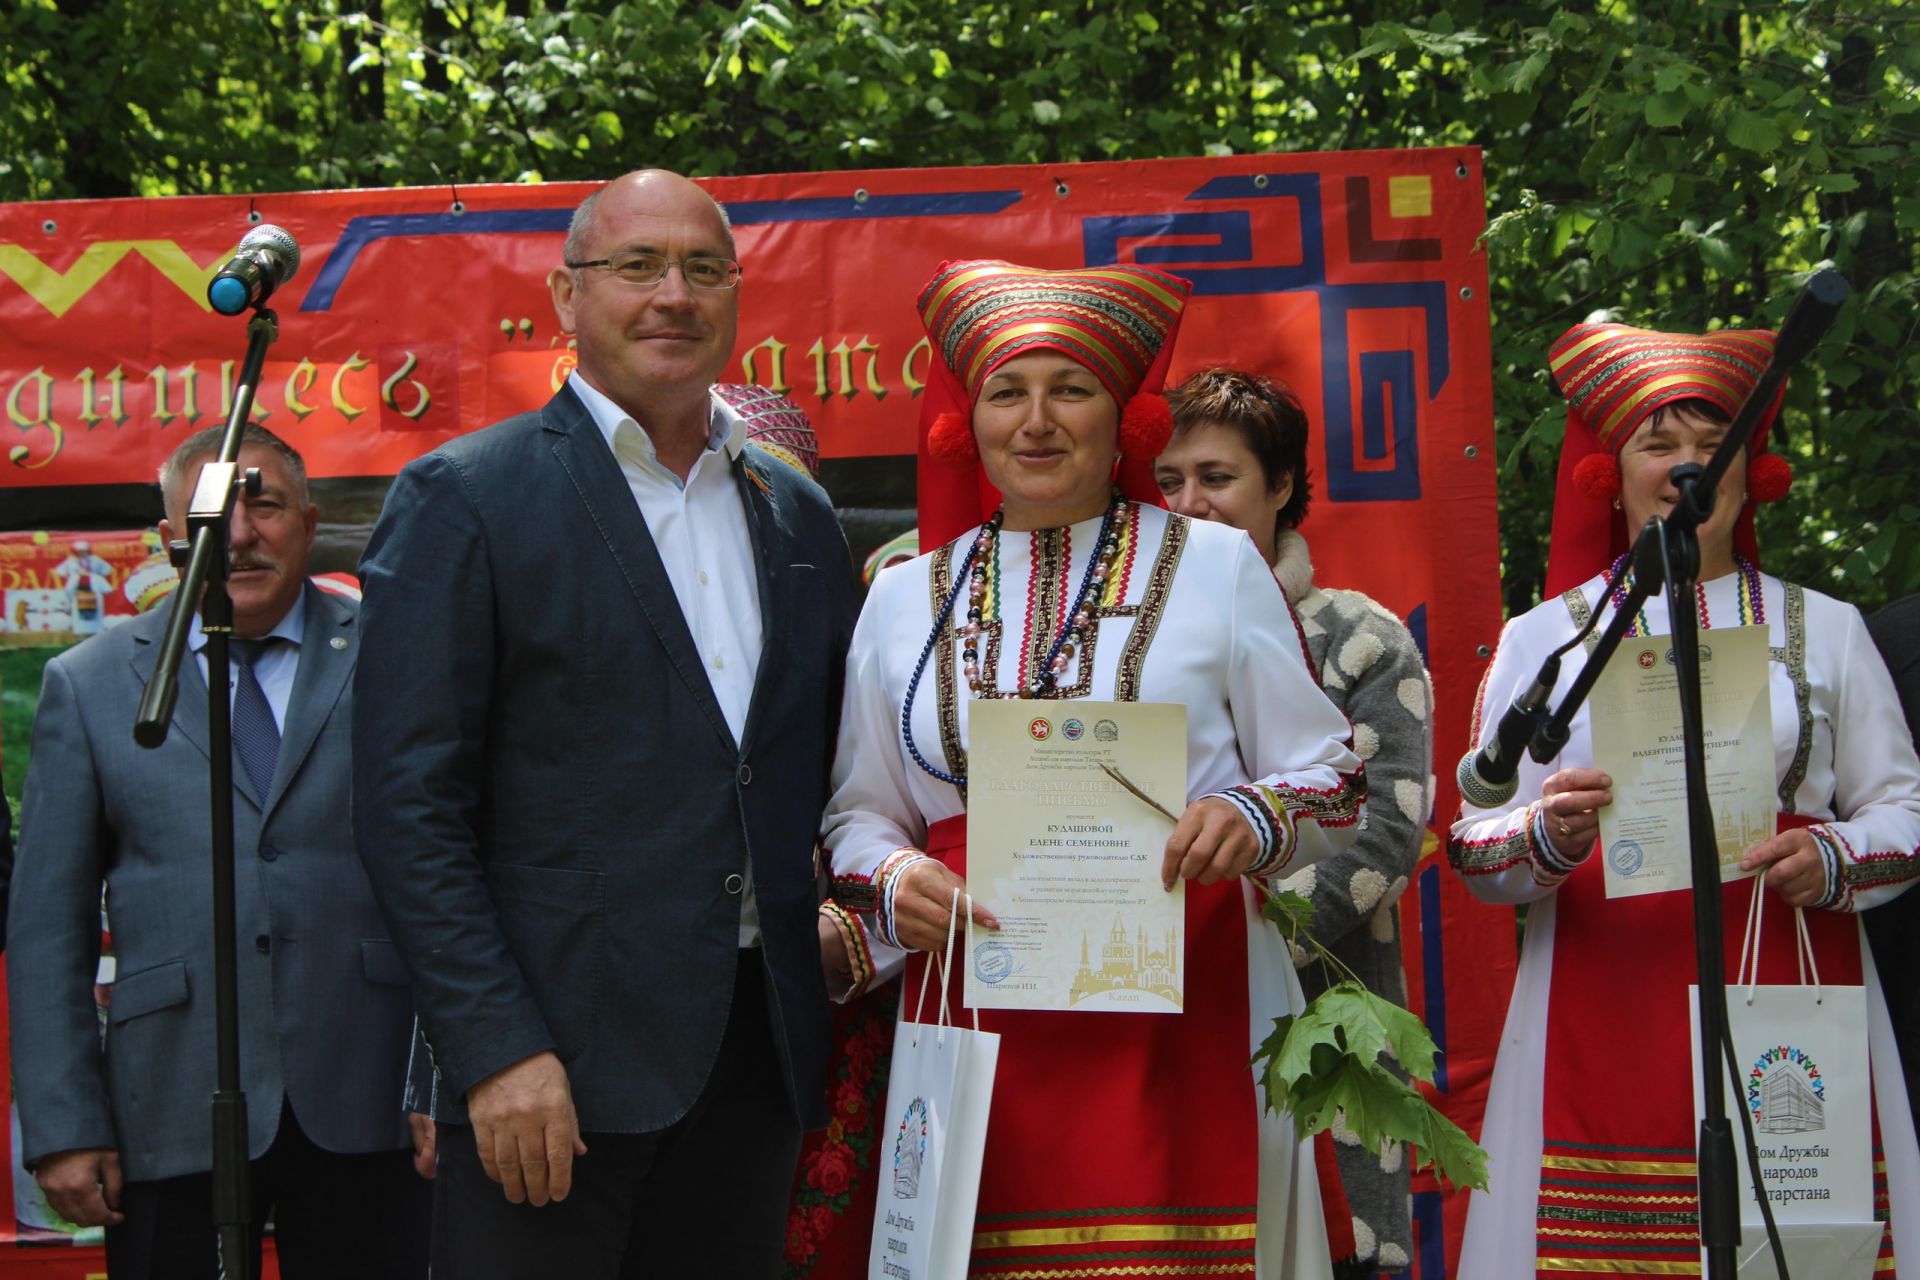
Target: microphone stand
{"type": "Point", "coordinates": [1667, 552]}
{"type": "Point", "coordinates": [204, 582]}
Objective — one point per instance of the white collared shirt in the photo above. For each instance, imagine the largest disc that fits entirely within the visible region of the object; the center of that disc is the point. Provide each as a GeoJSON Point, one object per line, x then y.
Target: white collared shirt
{"type": "Point", "coordinates": [700, 530]}
{"type": "Point", "coordinates": [276, 666]}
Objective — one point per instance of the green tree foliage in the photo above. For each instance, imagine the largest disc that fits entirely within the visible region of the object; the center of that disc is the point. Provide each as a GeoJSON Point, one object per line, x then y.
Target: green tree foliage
{"type": "Point", "coordinates": [1679, 164]}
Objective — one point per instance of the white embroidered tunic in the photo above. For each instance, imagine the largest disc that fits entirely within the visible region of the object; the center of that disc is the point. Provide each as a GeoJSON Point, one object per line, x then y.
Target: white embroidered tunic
{"type": "Point", "coordinates": [1189, 615]}
{"type": "Point", "coordinates": [1842, 756]}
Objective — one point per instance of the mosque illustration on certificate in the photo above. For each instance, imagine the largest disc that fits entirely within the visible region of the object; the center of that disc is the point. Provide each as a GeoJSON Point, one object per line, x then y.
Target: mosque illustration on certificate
{"type": "Point", "coordinates": [1129, 965]}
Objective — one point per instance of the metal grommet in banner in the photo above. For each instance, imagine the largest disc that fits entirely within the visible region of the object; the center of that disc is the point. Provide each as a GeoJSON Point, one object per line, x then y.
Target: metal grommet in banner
{"type": "Point", "coordinates": [860, 195]}
{"type": "Point", "coordinates": [49, 226]}
{"type": "Point", "coordinates": [253, 215]}
{"type": "Point", "coordinates": [1466, 291]}
{"type": "Point", "coordinates": [1460, 170]}
{"type": "Point", "coordinates": [459, 207]}
{"type": "Point", "coordinates": [1260, 181]}
{"type": "Point", "coordinates": [1060, 188]}
{"type": "Point", "coordinates": [1484, 651]}
{"type": "Point", "coordinates": [1473, 451]}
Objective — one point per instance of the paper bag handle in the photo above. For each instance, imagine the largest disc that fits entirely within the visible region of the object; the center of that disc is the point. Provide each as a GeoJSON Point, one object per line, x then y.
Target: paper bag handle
{"type": "Point", "coordinates": [946, 954]}
{"type": "Point", "coordinates": [1749, 971]}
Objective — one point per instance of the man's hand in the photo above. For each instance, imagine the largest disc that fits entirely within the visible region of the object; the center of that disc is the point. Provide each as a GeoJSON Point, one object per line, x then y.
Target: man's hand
{"type": "Point", "coordinates": [420, 1129]}
{"type": "Point", "coordinates": [526, 1130]}
{"type": "Point", "coordinates": [83, 1186]}
{"type": "Point", "coordinates": [923, 904]}
{"type": "Point", "coordinates": [1210, 843]}
{"type": "Point", "coordinates": [1792, 864]}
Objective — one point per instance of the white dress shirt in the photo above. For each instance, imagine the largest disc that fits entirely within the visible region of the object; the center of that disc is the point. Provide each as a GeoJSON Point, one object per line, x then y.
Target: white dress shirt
{"type": "Point", "coordinates": [276, 665]}
{"type": "Point", "coordinates": [700, 529]}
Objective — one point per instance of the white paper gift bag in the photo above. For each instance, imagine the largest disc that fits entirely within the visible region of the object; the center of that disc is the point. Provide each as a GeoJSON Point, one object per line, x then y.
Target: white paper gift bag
{"type": "Point", "coordinates": [1807, 1089]}
{"type": "Point", "coordinates": [927, 1162]}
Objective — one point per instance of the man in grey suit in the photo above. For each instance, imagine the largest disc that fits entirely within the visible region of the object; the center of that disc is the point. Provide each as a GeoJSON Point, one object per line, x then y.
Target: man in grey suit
{"type": "Point", "coordinates": [117, 1128]}
{"type": "Point", "coordinates": [604, 645]}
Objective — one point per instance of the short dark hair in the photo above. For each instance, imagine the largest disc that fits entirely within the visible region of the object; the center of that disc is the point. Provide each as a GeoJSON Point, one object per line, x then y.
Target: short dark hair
{"type": "Point", "coordinates": [206, 444]}
{"type": "Point", "coordinates": [1269, 419]}
{"type": "Point", "coordinates": [1699, 406]}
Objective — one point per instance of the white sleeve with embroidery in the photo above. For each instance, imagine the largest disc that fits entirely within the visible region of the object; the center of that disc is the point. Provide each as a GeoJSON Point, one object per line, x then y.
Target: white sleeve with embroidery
{"type": "Point", "coordinates": [873, 825]}
{"type": "Point", "coordinates": [1873, 849]}
{"type": "Point", "coordinates": [1501, 852]}
{"type": "Point", "coordinates": [1307, 785]}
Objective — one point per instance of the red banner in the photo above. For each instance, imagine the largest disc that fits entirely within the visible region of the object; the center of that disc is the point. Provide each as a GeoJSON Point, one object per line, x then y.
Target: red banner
{"type": "Point", "coordinates": [422, 313]}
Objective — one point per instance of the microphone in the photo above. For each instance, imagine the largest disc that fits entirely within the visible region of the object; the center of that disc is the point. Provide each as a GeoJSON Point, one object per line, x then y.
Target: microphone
{"type": "Point", "coordinates": [1819, 302]}
{"type": "Point", "coordinates": [1486, 777]}
{"type": "Point", "coordinates": [266, 259]}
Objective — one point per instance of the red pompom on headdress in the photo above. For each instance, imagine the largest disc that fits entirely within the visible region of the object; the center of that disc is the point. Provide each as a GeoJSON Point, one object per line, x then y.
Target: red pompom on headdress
{"type": "Point", "coordinates": [1146, 424]}
{"type": "Point", "coordinates": [950, 442]}
{"type": "Point", "coordinates": [1769, 476]}
{"type": "Point", "coordinates": [1597, 476]}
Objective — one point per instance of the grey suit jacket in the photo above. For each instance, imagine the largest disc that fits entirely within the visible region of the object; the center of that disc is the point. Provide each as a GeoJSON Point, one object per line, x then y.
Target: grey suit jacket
{"type": "Point", "coordinates": [324, 1013]}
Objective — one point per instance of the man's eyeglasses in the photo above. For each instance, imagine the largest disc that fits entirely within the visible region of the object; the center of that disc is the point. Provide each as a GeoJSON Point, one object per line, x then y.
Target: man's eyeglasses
{"type": "Point", "coordinates": [651, 268]}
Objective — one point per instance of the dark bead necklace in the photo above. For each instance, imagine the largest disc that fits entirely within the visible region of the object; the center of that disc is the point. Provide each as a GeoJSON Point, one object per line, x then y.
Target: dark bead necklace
{"type": "Point", "coordinates": [973, 579]}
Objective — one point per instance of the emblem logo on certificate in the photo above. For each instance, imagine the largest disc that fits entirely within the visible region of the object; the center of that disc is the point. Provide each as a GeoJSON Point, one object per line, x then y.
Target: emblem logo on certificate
{"type": "Point", "coordinates": [1637, 741]}
{"type": "Point", "coordinates": [1069, 860]}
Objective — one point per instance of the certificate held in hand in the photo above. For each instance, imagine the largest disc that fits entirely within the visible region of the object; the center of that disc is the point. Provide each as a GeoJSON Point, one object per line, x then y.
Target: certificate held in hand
{"type": "Point", "coordinates": [1068, 858]}
{"type": "Point", "coordinates": [1638, 741]}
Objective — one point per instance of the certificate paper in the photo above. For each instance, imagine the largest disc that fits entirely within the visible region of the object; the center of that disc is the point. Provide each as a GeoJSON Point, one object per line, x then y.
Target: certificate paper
{"type": "Point", "coordinates": [1069, 861]}
{"type": "Point", "coordinates": [1637, 741]}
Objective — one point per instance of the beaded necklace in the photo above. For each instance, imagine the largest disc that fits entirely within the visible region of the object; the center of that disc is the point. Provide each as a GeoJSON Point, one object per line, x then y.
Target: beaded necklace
{"type": "Point", "coordinates": [973, 578]}
{"type": "Point", "coordinates": [1752, 606]}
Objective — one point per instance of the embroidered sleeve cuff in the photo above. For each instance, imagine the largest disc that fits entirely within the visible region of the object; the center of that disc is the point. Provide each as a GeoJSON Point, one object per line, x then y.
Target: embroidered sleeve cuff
{"type": "Point", "coordinates": [1858, 878]}
{"type": "Point", "coordinates": [1550, 864]}
{"type": "Point", "coordinates": [859, 953]}
{"type": "Point", "coordinates": [886, 881]}
{"type": "Point", "coordinates": [1838, 896]}
{"type": "Point", "coordinates": [1272, 826]}
{"type": "Point", "coordinates": [854, 892]}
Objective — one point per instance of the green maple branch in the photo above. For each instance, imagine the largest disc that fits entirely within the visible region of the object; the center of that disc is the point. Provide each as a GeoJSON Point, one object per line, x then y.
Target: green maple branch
{"type": "Point", "coordinates": [1325, 1063]}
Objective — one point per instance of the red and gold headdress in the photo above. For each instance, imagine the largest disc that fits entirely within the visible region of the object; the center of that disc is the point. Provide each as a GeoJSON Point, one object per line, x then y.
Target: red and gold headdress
{"type": "Point", "coordinates": [776, 424]}
{"type": "Point", "coordinates": [1118, 321]}
{"type": "Point", "coordinates": [1613, 378]}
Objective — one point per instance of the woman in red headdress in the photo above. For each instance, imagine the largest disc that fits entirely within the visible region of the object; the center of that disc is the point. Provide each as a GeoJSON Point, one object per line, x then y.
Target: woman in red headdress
{"type": "Point", "coordinates": [1590, 1127]}
{"type": "Point", "coordinates": [1118, 1143]}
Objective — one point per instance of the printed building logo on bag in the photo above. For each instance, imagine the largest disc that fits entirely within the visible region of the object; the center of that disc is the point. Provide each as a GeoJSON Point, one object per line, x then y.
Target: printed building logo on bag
{"type": "Point", "coordinates": [1785, 1092]}
{"type": "Point", "coordinates": [910, 1150]}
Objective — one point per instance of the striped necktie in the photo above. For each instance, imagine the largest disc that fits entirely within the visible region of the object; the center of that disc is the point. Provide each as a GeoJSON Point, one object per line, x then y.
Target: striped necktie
{"type": "Point", "coordinates": [256, 738]}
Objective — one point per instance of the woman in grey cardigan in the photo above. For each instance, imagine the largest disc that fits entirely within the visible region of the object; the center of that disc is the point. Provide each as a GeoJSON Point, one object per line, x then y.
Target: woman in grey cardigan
{"type": "Point", "coordinates": [1239, 457]}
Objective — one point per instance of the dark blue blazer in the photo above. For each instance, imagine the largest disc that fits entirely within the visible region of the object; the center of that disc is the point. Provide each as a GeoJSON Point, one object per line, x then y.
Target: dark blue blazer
{"type": "Point", "coordinates": [549, 802]}
{"type": "Point", "coordinates": [1894, 927]}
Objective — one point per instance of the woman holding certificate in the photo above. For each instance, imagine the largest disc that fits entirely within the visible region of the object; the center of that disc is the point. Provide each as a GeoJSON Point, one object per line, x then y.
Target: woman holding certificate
{"type": "Point", "coordinates": [1590, 1128]}
{"type": "Point", "coordinates": [1068, 664]}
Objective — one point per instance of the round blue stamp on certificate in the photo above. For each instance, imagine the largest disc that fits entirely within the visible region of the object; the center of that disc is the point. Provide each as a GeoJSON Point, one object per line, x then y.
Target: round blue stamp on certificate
{"type": "Point", "coordinates": [1627, 857]}
{"type": "Point", "coordinates": [992, 963]}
